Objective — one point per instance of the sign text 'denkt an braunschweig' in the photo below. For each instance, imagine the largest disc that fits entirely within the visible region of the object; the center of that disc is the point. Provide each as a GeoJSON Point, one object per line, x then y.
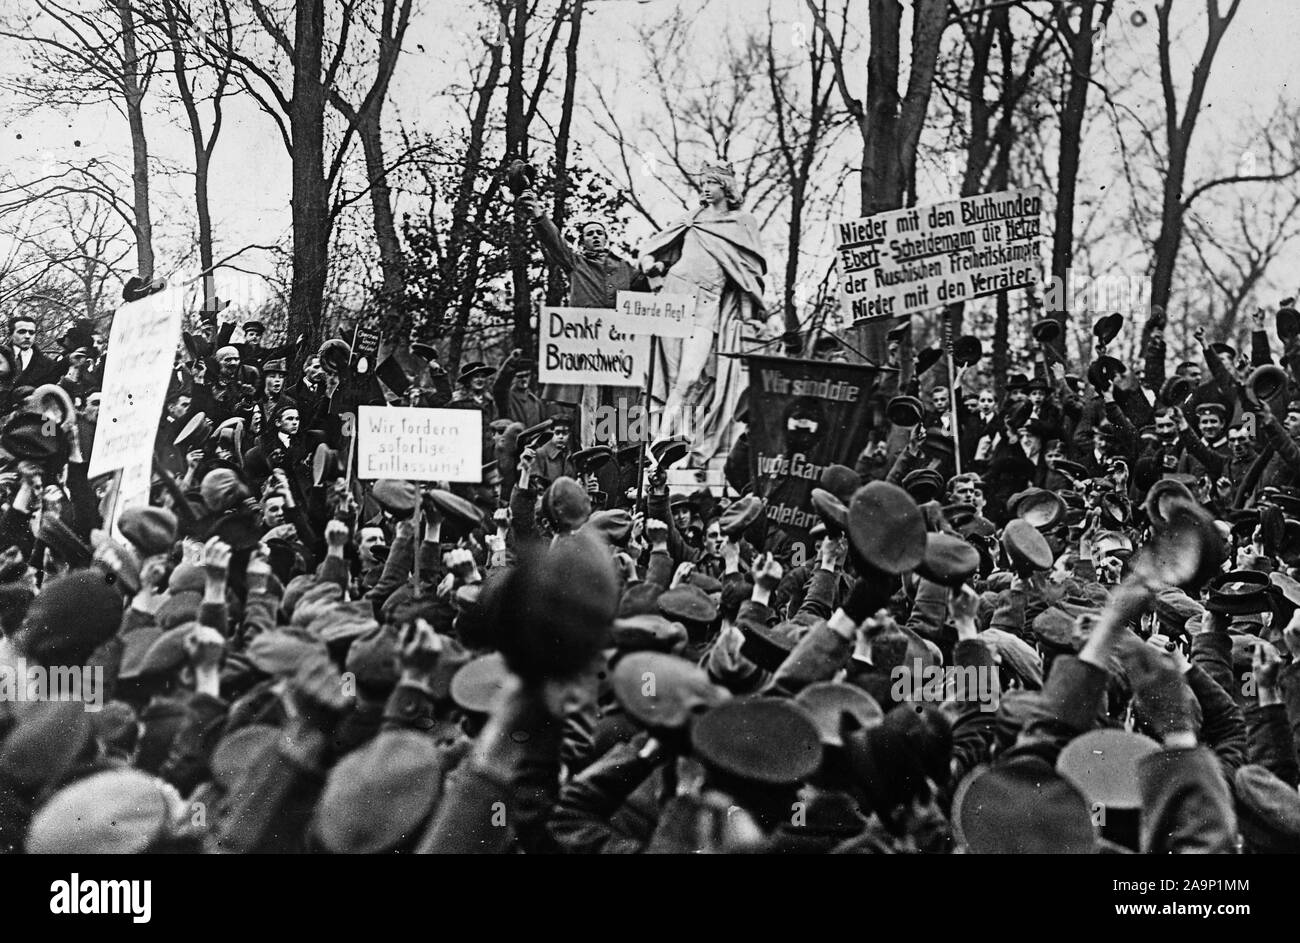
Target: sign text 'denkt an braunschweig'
{"type": "Point", "coordinates": [905, 261]}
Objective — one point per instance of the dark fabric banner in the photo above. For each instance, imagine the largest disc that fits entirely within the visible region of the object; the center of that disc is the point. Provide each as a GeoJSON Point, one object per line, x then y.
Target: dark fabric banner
{"type": "Point", "coordinates": [803, 416]}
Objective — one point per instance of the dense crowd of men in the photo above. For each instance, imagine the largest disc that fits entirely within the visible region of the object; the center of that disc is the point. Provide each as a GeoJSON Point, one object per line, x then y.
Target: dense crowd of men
{"type": "Point", "coordinates": [1057, 616]}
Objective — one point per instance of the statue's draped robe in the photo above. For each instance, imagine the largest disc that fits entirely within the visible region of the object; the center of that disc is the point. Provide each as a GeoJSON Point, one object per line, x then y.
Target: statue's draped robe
{"type": "Point", "coordinates": [718, 259]}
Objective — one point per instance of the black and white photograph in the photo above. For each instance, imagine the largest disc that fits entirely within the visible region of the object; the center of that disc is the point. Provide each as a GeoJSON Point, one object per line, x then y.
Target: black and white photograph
{"type": "Point", "coordinates": [642, 427]}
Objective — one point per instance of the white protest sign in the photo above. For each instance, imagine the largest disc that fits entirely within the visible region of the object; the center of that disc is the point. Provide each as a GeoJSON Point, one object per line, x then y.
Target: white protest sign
{"type": "Point", "coordinates": [590, 347]}
{"type": "Point", "coordinates": [141, 355]}
{"type": "Point", "coordinates": [643, 312]}
{"type": "Point", "coordinates": [904, 261]}
{"type": "Point", "coordinates": [414, 444]}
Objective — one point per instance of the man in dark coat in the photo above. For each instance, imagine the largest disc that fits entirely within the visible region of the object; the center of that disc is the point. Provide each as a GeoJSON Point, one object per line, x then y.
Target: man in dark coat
{"type": "Point", "coordinates": [33, 368]}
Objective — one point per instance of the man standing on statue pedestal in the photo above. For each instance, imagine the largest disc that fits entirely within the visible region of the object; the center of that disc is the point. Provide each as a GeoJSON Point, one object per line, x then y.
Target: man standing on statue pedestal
{"type": "Point", "coordinates": [716, 256]}
{"type": "Point", "coordinates": [596, 276]}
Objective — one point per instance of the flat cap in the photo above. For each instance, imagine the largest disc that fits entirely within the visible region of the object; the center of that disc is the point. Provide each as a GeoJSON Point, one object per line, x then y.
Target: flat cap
{"type": "Point", "coordinates": [1268, 811]}
{"type": "Point", "coordinates": [281, 651]}
{"type": "Point", "coordinates": [1103, 765]}
{"type": "Point", "coordinates": [378, 796]}
{"type": "Point", "coordinates": [768, 646]}
{"type": "Point", "coordinates": [1021, 807]}
{"type": "Point", "coordinates": [396, 497]}
{"type": "Point", "coordinates": [949, 561]}
{"type": "Point", "coordinates": [1044, 509]}
{"type": "Point", "coordinates": [648, 632]}
{"type": "Point", "coordinates": [567, 503]}
{"type": "Point", "coordinates": [1026, 547]}
{"type": "Point", "coordinates": [663, 691]}
{"type": "Point", "coordinates": [614, 525]}
{"type": "Point", "coordinates": [904, 411]}
{"type": "Point", "coordinates": [688, 604]}
{"type": "Point", "coordinates": [454, 507]}
{"type": "Point", "coordinates": [119, 811]}
{"type": "Point", "coordinates": [476, 685]}
{"type": "Point", "coordinates": [741, 515]}
{"type": "Point", "coordinates": [841, 481]}
{"type": "Point", "coordinates": [835, 707]}
{"type": "Point", "coordinates": [150, 530]}
{"type": "Point", "coordinates": [831, 509]}
{"type": "Point", "coordinates": [764, 740]}
{"type": "Point", "coordinates": [924, 484]}
{"type": "Point", "coordinates": [887, 528]}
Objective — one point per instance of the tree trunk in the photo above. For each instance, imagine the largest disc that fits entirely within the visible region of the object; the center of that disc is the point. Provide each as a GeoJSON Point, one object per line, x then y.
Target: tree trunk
{"type": "Point", "coordinates": [517, 147]}
{"type": "Point", "coordinates": [891, 126]}
{"type": "Point", "coordinates": [458, 271]}
{"type": "Point", "coordinates": [202, 151]}
{"type": "Point", "coordinates": [1178, 136]}
{"type": "Point", "coordinates": [557, 284]}
{"type": "Point", "coordinates": [882, 177]}
{"type": "Point", "coordinates": [310, 206]}
{"type": "Point", "coordinates": [392, 264]}
{"type": "Point", "coordinates": [1001, 342]}
{"type": "Point", "coordinates": [1067, 174]}
{"type": "Point", "coordinates": [794, 237]}
{"type": "Point", "coordinates": [134, 99]}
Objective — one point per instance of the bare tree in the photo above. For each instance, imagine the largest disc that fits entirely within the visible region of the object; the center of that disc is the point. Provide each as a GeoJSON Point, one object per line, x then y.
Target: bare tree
{"type": "Point", "coordinates": [1179, 128]}
{"type": "Point", "coordinates": [82, 56]}
{"type": "Point", "coordinates": [367, 116]}
{"type": "Point", "coordinates": [64, 255]}
{"type": "Point", "coordinates": [804, 132]}
{"type": "Point", "coordinates": [889, 121]}
{"type": "Point", "coordinates": [1236, 251]}
{"type": "Point", "coordinates": [1079, 37]}
{"type": "Point", "coordinates": [699, 109]}
{"type": "Point", "coordinates": [986, 94]}
{"type": "Point", "coordinates": [191, 55]}
{"type": "Point", "coordinates": [315, 54]}
{"type": "Point", "coordinates": [556, 279]}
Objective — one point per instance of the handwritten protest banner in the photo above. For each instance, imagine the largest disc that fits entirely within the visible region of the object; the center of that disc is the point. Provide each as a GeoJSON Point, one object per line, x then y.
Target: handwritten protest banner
{"type": "Point", "coordinates": [590, 347]}
{"type": "Point", "coordinates": [416, 444]}
{"type": "Point", "coordinates": [904, 261]}
{"type": "Point", "coordinates": [138, 368]}
{"type": "Point", "coordinates": [644, 312]}
{"type": "Point", "coordinates": [365, 343]}
{"type": "Point", "coordinates": [803, 416]}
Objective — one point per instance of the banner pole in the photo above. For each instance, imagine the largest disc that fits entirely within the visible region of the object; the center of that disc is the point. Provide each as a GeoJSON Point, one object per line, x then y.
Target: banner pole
{"type": "Point", "coordinates": [952, 392]}
{"type": "Point", "coordinates": [646, 432]}
{"type": "Point", "coordinates": [415, 560]}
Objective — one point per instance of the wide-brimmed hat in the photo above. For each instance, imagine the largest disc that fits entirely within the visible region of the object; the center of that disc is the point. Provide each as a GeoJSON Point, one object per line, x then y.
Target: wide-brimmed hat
{"type": "Point", "coordinates": [1103, 370]}
{"type": "Point", "coordinates": [967, 350]}
{"type": "Point", "coordinates": [1288, 323]}
{"type": "Point", "coordinates": [335, 355]}
{"type": "Point", "coordinates": [669, 451]}
{"type": "Point", "coordinates": [473, 368]}
{"type": "Point", "coordinates": [1046, 331]}
{"type": "Point", "coordinates": [904, 411]}
{"type": "Point", "coordinates": [1265, 382]}
{"type": "Point", "coordinates": [1107, 328]}
{"type": "Point", "coordinates": [1044, 509]}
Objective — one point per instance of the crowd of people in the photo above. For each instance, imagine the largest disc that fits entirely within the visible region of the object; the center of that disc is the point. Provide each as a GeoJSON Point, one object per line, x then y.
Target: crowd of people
{"type": "Point", "coordinates": [1062, 616]}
